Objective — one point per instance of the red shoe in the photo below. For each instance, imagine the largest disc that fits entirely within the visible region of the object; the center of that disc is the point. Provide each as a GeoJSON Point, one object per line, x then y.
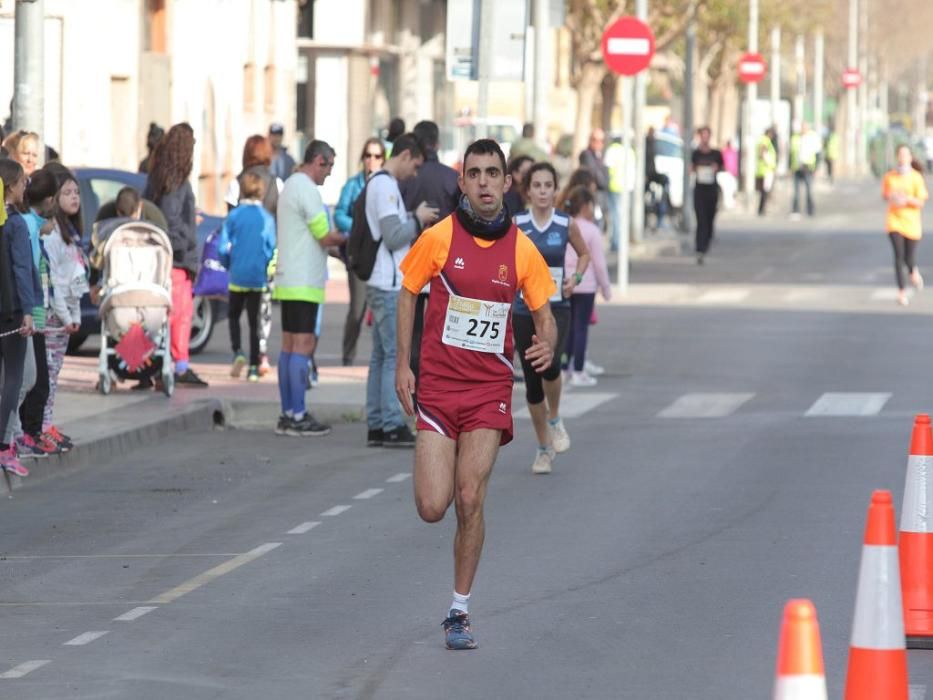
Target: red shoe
{"type": "Point", "coordinates": [48, 437]}
{"type": "Point", "coordinates": [10, 463]}
{"type": "Point", "coordinates": [60, 438]}
{"type": "Point", "coordinates": [48, 445]}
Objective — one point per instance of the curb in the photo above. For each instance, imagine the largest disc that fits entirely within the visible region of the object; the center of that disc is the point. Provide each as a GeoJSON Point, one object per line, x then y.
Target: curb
{"type": "Point", "coordinates": [200, 416]}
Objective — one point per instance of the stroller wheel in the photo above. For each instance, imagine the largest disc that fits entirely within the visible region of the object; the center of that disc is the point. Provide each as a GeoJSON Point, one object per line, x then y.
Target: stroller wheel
{"type": "Point", "coordinates": [105, 384]}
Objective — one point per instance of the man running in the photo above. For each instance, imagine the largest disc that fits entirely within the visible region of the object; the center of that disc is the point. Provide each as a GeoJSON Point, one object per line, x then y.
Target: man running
{"type": "Point", "coordinates": [476, 262]}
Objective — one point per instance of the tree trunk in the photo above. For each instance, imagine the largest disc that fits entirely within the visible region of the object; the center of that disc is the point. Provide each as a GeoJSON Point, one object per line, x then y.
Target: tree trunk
{"type": "Point", "coordinates": [609, 88]}
{"type": "Point", "coordinates": [590, 78]}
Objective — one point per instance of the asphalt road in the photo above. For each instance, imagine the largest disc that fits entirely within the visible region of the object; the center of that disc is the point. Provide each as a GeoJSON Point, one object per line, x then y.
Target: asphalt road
{"type": "Point", "coordinates": [709, 481]}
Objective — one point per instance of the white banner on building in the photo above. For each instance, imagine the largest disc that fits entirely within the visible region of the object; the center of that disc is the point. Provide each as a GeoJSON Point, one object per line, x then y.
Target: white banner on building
{"type": "Point", "coordinates": [463, 23]}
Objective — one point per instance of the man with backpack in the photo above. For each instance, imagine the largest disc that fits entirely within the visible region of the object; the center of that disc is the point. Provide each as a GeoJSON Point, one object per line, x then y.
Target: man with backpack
{"type": "Point", "coordinates": [391, 230]}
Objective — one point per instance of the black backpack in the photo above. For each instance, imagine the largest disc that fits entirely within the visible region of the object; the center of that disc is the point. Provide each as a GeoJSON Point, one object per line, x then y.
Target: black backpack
{"type": "Point", "coordinates": [362, 248]}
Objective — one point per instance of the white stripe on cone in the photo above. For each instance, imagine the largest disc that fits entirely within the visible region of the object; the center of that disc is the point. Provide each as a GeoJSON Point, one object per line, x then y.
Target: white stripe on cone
{"type": "Point", "coordinates": [879, 612]}
{"type": "Point", "coordinates": [803, 687]}
{"type": "Point", "coordinates": [917, 514]}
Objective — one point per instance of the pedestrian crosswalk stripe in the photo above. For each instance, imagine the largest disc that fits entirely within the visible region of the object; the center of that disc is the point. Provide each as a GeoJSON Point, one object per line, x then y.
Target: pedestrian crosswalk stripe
{"type": "Point", "coordinates": [575, 404]}
{"type": "Point", "coordinates": [848, 404]}
{"type": "Point", "coordinates": [24, 668]}
{"type": "Point", "coordinates": [886, 294]}
{"type": "Point", "coordinates": [705, 405]}
{"type": "Point", "coordinates": [723, 296]}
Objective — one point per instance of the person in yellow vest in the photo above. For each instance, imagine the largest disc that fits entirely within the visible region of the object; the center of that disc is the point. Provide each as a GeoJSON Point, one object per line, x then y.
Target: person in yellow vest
{"type": "Point", "coordinates": [832, 152]}
{"type": "Point", "coordinates": [804, 149]}
{"type": "Point", "coordinates": [905, 192]}
{"type": "Point", "coordinates": [765, 168]}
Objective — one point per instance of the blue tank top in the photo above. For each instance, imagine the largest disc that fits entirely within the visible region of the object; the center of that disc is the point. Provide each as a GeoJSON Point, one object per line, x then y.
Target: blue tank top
{"type": "Point", "coordinates": [551, 242]}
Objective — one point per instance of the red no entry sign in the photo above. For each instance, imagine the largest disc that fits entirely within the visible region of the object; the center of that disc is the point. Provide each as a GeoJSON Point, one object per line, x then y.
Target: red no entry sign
{"type": "Point", "coordinates": [752, 68]}
{"type": "Point", "coordinates": [628, 45]}
{"type": "Point", "coordinates": [851, 78]}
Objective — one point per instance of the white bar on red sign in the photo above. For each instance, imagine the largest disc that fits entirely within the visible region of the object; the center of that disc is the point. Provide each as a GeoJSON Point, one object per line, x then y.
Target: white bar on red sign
{"type": "Point", "coordinates": [752, 68]}
{"type": "Point", "coordinates": [628, 47]}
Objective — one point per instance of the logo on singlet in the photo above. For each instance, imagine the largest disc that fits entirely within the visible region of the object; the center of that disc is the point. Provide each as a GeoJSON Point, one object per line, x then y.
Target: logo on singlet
{"type": "Point", "coordinates": [503, 409]}
{"type": "Point", "coordinates": [459, 264]}
{"type": "Point", "coordinates": [503, 273]}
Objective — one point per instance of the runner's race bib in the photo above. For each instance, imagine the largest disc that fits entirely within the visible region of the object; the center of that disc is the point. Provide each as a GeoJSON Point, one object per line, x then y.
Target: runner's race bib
{"type": "Point", "coordinates": [557, 274]}
{"type": "Point", "coordinates": [706, 175]}
{"type": "Point", "coordinates": [474, 324]}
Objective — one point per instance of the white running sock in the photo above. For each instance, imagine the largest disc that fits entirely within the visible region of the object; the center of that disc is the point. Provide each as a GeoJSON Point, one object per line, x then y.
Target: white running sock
{"type": "Point", "coordinates": [461, 602]}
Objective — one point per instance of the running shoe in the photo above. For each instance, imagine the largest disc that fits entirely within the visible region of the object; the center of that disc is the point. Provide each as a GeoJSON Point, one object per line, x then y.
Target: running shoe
{"type": "Point", "coordinates": [375, 438]}
{"type": "Point", "coordinates": [264, 366]}
{"type": "Point", "coordinates": [281, 427]}
{"type": "Point", "coordinates": [47, 444]}
{"type": "Point", "coordinates": [10, 463]}
{"type": "Point", "coordinates": [189, 378]}
{"type": "Point", "coordinates": [458, 632]}
{"type": "Point", "coordinates": [49, 438]}
{"type": "Point", "coordinates": [307, 427]}
{"type": "Point", "coordinates": [253, 374]}
{"type": "Point", "coordinates": [62, 440]}
{"type": "Point", "coordinates": [398, 437]}
{"type": "Point", "coordinates": [582, 379]}
{"type": "Point", "coordinates": [559, 437]}
{"type": "Point", "coordinates": [917, 280]}
{"type": "Point", "coordinates": [239, 362]}
{"type": "Point", "coordinates": [543, 461]}
{"type": "Point", "coordinates": [592, 369]}
{"type": "Point", "coordinates": [26, 446]}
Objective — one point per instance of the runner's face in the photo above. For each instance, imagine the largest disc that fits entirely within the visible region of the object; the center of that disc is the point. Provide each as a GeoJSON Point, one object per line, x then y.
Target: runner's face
{"type": "Point", "coordinates": [69, 200]}
{"type": "Point", "coordinates": [904, 156]}
{"type": "Point", "coordinates": [484, 182]}
{"type": "Point", "coordinates": [541, 190]}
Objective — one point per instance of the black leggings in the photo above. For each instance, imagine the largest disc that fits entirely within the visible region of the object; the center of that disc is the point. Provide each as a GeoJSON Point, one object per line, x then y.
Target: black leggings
{"type": "Point", "coordinates": [30, 413]}
{"type": "Point", "coordinates": [12, 361]}
{"type": "Point", "coordinates": [905, 251]}
{"type": "Point", "coordinates": [251, 301]}
{"type": "Point", "coordinates": [523, 327]}
{"type": "Point", "coordinates": [705, 199]}
{"type": "Point", "coordinates": [581, 311]}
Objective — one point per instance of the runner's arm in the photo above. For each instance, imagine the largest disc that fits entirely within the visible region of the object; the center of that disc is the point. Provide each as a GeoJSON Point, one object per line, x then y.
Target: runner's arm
{"type": "Point", "coordinates": [404, 377]}
{"type": "Point", "coordinates": [579, 246]}
{"type": "Point", "coordinates": [544, 341]}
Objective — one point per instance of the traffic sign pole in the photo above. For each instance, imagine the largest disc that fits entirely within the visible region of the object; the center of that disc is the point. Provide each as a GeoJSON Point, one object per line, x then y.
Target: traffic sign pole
{"type": "Point", "coordinates": [751, 96]}
{"type": "Point", "coordinates": [638, 118]}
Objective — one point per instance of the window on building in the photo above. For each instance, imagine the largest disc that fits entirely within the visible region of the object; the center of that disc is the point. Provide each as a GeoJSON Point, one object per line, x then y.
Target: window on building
{"type": "Point", "coordinates": [306, 19]}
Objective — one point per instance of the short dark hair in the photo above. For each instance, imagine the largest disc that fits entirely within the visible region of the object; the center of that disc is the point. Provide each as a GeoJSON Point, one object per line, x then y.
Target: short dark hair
{"type": "Point", "coordinates": [528, 130]}
{"type": "Point", "coordinates": [396, 129]}
{"type": "Point", "coordinates": [252, 186]}
{"type": "Point", "coordinates": [318, 148]}
{"type": "Point", "coordinates": [127, 200]}
{"type": "Point", "coordinates": [408, 142]}
{"type": "Point", "coordinates": [428, 133]}
{"type": "Point", "coordinates": [42, 185]}
{"type": "Point", "coordinates": [11, 172]}
{"type": "Point", "coordinates": [542, 166]}
{"type": "Point", "coordinates": [484, 147]}
{"type": "Point", "coordinates": [517, 162]}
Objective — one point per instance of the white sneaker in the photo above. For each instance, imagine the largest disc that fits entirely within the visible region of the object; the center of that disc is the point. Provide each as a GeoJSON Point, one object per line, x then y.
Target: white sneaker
{"type": "Point", "coordinates": [559, 437]}
{"type": "Point", "coordinates": [543, 461]}
{"type": "Point", "coordinates": [582, 379]}
{"type": "Point", "coordinates": [917, 279]}
{"type": "Point", "coordinates": [592, 369]}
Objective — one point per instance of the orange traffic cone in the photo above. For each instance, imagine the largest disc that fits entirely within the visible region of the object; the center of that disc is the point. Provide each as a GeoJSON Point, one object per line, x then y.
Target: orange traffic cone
{"type": "Point", "coordinates": [800, 674]}
{"type": "Point", "coordinates": [877, 653]}
{"type": "Point", "coordinates": [916, 538]}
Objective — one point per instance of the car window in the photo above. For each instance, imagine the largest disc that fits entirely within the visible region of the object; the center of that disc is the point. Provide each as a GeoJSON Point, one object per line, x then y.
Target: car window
{"type": "Point", "coordinates": [105, 190]}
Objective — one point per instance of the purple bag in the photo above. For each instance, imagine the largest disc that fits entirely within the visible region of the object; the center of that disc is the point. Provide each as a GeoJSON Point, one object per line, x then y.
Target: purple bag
{"type": "Point", "coordinates": [212, 279]}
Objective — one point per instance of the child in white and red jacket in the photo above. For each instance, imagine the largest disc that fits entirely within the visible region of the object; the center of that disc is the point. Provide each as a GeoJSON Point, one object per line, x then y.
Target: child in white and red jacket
{"type": "Point", "coordinates": [581, 205]}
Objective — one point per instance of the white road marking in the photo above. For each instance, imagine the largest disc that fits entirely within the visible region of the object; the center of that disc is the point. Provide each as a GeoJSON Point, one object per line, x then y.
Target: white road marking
{"type": "Point", "coordinates": [24, 668]}
{"type": "Point", "coordinates": [398, 478]}
{"type": "Point", "coordinates": [705, 405]}
{"type": "Point", "coordinates": [116, 556]}
{"type": "Point", "coordinates": [85, 638]}
{"type": "Point", "coordinates": [575, 404]}
{"type": "Point", "coordinates": [135, 613]}
{"type": "Point", "coordinates": [798, 295]}
{"type": "Point", "coordinates": [886, 294]}
{"type": "Point", "coordinates": [723, 296]}
{"type": "Point", "coordinates": [918, 692]}
{"type": "Point", "coordinates": [304, 527]}
{"type": "Point", "coordinates": [367, 494]}
{"type": "Point", "coordinates": [218, 571]}
{"type": "Point", "coordinates": [848, 404]}
{"type": "Point", "coordinates": [336, 510]}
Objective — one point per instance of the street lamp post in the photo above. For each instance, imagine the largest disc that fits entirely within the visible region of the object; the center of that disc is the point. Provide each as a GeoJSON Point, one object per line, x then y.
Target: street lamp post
{"type": "Point", "coordinates": [28, 68]}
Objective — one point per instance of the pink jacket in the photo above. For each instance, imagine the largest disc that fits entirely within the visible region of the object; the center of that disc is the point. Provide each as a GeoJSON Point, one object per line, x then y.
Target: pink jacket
{"type": "Point", "coordinates": [597, 274]}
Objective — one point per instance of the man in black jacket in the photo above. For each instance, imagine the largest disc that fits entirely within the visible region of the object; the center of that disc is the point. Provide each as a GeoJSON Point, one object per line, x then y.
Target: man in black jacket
{"type": "Point", "coordinates": [592, 160]}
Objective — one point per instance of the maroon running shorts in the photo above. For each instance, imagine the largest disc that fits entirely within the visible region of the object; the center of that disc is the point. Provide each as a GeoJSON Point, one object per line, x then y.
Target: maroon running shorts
{"type": "Point", "coordinates": [452, 408]}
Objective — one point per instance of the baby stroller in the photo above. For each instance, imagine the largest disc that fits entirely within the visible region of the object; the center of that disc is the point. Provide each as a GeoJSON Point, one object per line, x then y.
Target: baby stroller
{"type": "Point", "coordinates": [136, 295]}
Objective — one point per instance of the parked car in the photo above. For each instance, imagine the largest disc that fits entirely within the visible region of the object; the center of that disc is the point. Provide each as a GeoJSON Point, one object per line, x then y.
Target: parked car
{"type": "Point", "coordinates": [100, 186]}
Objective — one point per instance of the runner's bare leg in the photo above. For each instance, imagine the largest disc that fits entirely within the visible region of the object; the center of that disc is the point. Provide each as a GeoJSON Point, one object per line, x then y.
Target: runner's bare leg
{"type": "Point", "coordinates": [552, 394]}
{"type": "Point", "coordinates": [435, 461]}
{"type": "Point", "coordinates": [539, 416]}
{"type": "Point", "coordinates": [475, 458]}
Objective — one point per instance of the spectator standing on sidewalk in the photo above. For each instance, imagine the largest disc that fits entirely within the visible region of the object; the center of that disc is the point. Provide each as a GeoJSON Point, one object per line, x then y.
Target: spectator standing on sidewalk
{"type": "Point", "coordinates": [371, 160]}
{"type": "Point", "coordinates": [396, 129]}
{"type": "Point", "coordinates": [832, 152]}
{"type": "Point", "coordinates": [581, 207]}
{"type": "Point", "coordinates": [527, 145]}
{"type": "Point", "coordinates": [765, 168]}
{"type": "Point", "coordinates": [17, 285]}
{"type": "Point", "coordinates": [23, 147]}
{"type": "Point", "coordinates": [804, 151]}
{"type": "Point", "coordinates": [592, 159]}
{"type": "Point", "coordinates": [303, 237]}
{"type": "Point", "coordinates": [153, 137]}
{"type": "Point", "coordinates": [283, 165]}
{"type": "Point", "coordinates": [905, 192]}
{"type": "Point", "coordinates": [394, 228]}
{"type": "Point", "coordinates": [705, 166]}
{"type": "Point", "coordinates": [436, 184]}
{"type": "Point", "coordinates": [68, 275]}
{"type": "Point", "coordinates": [247, 242]}
{"type": "Point", "coordinates": [168, 187]}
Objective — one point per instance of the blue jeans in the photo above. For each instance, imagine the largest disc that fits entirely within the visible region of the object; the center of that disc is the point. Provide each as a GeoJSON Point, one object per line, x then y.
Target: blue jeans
{"type": "Point", "coordinates": [383, 411]}
{"type": "Point", "coordinates": [803, 176]}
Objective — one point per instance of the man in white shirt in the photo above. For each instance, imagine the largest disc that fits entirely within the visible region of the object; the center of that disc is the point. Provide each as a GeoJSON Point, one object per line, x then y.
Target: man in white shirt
{"type": "Point", "coordinates": [395, 229]}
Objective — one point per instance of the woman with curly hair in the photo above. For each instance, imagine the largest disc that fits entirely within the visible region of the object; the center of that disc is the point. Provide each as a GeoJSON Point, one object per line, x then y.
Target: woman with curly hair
{"type": "Point", "coordinates": [168, 187]}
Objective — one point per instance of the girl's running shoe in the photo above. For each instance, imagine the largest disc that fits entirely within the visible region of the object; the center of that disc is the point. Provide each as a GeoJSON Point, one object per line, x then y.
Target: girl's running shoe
{"type": "Point", "coordinates": [50, 436]}
{"type": "Point", "coordinates": [27, 446]}
{"type": "Point", "coordinates": [10, 463]}
{"type": "Point", "coordinates": [63, 440]}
